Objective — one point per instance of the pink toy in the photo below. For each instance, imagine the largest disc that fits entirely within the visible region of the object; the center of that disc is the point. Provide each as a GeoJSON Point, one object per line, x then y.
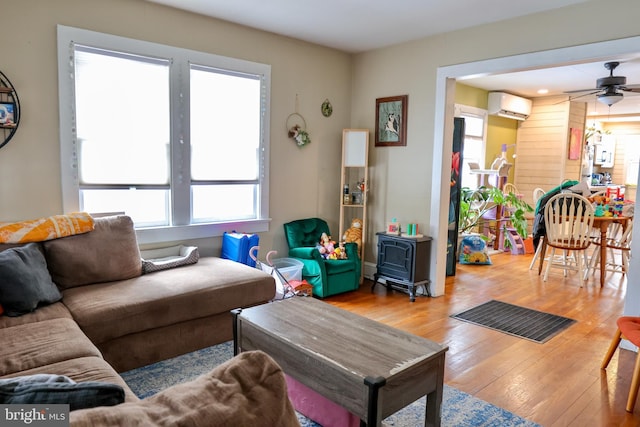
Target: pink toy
{"type": "Point", "coordinates": [317, 407]}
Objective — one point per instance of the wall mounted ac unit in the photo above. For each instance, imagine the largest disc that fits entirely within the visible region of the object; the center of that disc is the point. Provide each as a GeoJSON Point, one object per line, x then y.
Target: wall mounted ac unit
{"type": "Point", "coordinates": [506, 105]}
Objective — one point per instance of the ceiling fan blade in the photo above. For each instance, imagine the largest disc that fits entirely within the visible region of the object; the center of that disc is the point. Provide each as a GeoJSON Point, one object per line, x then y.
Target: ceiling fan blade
{"type": "Point", "coordinates": [572, 98]}
{"type": "Point", "coordinates": [634, 88]}
{"type": "Point", "coordinates": [593, 90]}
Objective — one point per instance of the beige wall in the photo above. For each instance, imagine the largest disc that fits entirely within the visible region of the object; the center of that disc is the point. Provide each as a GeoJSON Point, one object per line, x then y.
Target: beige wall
{"type": "Point", "coordinates": [402, 177]}
{"type": "Point", "coordinates": [304, 181]}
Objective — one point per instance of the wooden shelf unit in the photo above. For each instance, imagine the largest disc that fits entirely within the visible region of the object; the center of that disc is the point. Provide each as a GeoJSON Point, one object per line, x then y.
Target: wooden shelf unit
{"type": "Point", "coordinates": [355, 154]}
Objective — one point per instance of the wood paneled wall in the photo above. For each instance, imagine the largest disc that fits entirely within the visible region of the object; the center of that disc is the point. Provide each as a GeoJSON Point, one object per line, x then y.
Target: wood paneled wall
{"type": "Point", "coordinates": [577, 120]}
{"type": "Point", "coordinates": [543, 144]}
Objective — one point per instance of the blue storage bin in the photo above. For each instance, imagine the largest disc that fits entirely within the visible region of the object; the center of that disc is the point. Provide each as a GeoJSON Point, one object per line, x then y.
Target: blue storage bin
{"type": "Point", "coordinates": [236, 246]}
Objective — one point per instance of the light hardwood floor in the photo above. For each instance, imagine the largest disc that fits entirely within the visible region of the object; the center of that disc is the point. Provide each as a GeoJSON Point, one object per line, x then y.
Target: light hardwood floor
{"type": "Point", "coordinates": [558, 383]}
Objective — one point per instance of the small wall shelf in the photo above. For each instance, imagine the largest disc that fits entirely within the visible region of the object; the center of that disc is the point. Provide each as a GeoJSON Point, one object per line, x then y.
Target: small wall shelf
{"type": "Point", "coordinates": [9, 110]}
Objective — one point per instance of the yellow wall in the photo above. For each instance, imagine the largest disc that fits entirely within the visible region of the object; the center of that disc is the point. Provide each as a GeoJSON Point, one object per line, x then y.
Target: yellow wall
{"type": "Point", "coordinates": [471, 96]}
{"type": "Point", "coordinates": [500, 130]}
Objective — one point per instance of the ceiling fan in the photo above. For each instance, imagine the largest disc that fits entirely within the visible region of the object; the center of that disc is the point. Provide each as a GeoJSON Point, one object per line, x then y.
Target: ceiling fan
{"type": "Point", "coordinates": [609, 88]}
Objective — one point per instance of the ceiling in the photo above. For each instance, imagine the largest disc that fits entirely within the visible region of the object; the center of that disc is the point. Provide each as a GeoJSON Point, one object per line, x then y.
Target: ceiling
{"type": "Point", "coordinates": [360, 25]}
{"type": "Point", "coordinates": [557, 80]}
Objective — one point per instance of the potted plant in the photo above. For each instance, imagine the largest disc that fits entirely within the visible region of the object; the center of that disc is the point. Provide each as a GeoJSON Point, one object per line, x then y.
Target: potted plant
{"type": "Point", "coordinates": [475, 204]}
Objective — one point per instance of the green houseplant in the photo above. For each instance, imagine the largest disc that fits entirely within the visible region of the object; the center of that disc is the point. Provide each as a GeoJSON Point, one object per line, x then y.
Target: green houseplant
{"type": "Point", "coordinates": [475, 204]}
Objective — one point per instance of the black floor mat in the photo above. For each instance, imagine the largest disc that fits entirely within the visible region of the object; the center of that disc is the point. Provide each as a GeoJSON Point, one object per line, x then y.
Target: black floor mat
{"type": "Point", "coordinates": [515, 320]}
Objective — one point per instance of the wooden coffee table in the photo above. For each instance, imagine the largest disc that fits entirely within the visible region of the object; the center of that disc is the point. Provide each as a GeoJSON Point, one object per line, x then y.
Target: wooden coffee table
{"type": "Point", "coordinates": [370, 369]}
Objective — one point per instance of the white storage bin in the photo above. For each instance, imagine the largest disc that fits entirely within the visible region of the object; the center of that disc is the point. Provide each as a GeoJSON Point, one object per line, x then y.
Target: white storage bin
{"type": "Point", "coordinates": [289, 268]}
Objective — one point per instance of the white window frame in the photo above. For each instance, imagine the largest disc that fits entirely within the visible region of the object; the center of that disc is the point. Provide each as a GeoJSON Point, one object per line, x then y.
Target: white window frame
{"type": "Point", "coordinates": [461, 110]}
{"type": "Point", "coordinates": [181, 60]}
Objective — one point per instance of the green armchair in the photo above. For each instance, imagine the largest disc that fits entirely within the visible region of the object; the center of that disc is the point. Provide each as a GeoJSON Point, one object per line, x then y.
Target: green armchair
{"type": "Point", "coordinates": [327, 276]}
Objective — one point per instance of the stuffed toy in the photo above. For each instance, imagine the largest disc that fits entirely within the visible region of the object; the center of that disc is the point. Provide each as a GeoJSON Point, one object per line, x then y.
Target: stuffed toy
{"type": "Point", "coordinates": [599, 200]}
{"type": "Point", "coordinates": [354, 233]}
{"type": "Point", "coordinates": [341, 251]}
{"type": "Point", "coordinates": [326, 246]}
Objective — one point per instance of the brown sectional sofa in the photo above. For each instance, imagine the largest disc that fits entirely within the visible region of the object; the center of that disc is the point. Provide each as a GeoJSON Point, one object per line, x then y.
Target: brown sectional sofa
{"type": "Point", "coordinates": [122, 319]}
{"type": "Point", "coordinates": [159, 315]}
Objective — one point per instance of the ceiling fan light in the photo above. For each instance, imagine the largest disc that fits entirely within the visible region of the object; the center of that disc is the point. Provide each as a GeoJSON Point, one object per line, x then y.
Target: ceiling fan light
{"type": "Point", "coordinates": [610, 98]}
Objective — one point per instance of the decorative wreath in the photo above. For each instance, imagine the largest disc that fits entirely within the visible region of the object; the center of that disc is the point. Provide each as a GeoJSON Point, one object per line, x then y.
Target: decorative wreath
{"type": "Point", "coordinates": [297, 132]}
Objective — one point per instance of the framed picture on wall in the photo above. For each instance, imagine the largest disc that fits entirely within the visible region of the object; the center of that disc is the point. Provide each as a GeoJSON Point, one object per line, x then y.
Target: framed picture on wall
{"type": "Point", "coordinates": [391, 121]}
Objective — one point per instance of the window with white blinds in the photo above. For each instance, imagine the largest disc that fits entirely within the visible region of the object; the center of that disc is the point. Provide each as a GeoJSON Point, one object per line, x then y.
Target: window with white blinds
{"type": "Point", "coordinates": [176, 139]}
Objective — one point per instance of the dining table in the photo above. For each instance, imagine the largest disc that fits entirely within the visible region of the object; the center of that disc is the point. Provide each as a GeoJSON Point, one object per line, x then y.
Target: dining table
{"type": "Point", "coordinates": [601, 224]}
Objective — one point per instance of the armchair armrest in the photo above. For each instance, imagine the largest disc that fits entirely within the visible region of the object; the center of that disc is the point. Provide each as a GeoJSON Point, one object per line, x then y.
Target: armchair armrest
{"type": "Point", "coordinates": [352, 253]}
{"type": "Point", "coordinates": [352, 250]}
{"type": "Point", "coordinates": [305, 252]}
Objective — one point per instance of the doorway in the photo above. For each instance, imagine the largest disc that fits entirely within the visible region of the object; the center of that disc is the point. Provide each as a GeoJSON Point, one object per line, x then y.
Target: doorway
{"type": "Point", "coordinates": [445, 91]}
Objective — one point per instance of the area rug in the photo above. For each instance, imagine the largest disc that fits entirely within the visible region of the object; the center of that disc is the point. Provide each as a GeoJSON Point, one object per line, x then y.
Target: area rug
{"type": "Point", "coordinates": [458, 409]}
{"type": "Point", "coordinates": [514, 320]}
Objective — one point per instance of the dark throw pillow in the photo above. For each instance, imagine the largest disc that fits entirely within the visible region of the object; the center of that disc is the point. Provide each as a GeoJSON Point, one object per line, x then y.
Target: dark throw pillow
{"type": "Point", "coordinates": [25, 282]}
{"type": "Point", "coordinates": [58, 389]}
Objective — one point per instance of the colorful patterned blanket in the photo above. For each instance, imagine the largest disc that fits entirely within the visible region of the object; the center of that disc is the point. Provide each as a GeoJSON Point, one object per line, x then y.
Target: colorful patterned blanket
{"type": "Point", "coordinates": [39, 230]}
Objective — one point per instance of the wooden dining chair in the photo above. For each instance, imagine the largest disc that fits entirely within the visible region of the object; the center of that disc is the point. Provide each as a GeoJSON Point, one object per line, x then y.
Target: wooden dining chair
{"type": "Point", "coordinates": [568, 222]}
{"type": "Point", "coordinates": [619, 245]}
{"type": "Point", "coordinates": [537, 253]}
{"type": "Point", "coordinates": [629, 329]}
{"type": "Point", "coordinates": [510, 188]}
{"type": "Point", "coordinates": [537, 194]}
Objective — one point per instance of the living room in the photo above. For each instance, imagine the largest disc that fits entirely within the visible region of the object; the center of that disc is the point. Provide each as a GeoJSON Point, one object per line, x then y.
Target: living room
{"type": "Point", "coordinates": [304, 182]}
{"type": "Point", "coordinates": [318, 73]}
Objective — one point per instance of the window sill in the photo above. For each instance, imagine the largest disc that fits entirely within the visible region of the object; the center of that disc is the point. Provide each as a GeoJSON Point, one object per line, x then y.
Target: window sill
{"type": "Point", "coordinates": [198, 231]}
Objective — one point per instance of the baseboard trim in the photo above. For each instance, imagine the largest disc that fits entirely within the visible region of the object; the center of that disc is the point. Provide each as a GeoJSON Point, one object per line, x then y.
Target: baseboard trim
{"type": "Point", "coordinates": [369, 270]}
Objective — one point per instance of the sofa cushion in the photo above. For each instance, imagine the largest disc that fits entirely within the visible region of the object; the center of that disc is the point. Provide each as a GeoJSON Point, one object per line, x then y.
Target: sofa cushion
{"type": "Point", "coordinates": [41, 343]}
{"type": "Point", "coordinates": [25, 281]}
{"type": "Point", "coordinates": [108, 253]}
{"type": "Point", "coordinates": [81, 369]}
{"type": "Point", "coordinates": [213, 285]}
{"type": "Point", "coordinates": [54, 311]}
{"type": "Point", "coordinates": [248, 390]}
{"type": "Point", "coordinates": [45, 389]}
